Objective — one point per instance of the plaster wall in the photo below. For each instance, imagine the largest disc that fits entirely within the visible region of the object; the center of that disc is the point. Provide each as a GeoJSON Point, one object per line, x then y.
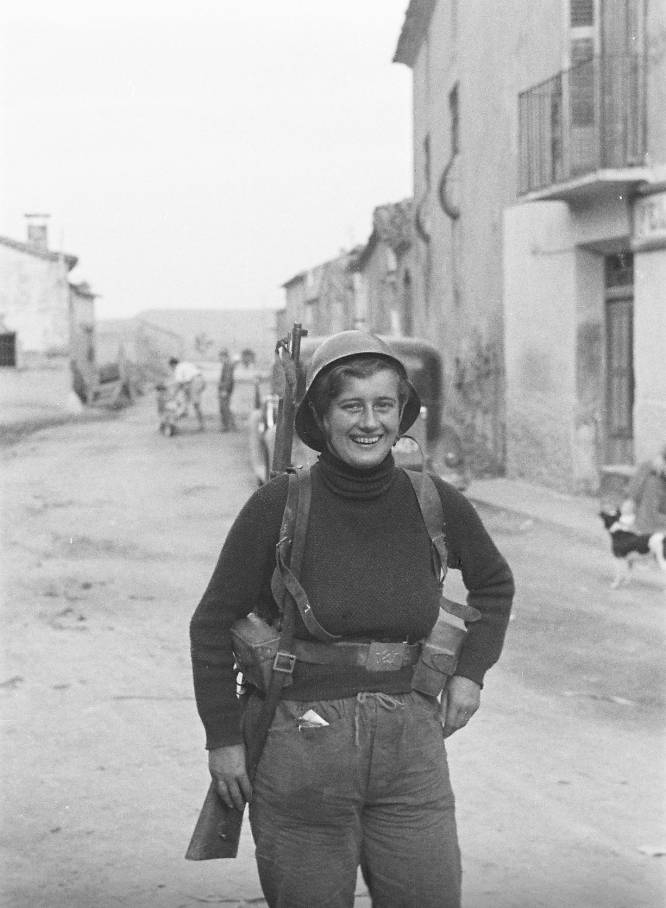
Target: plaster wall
{"type": "Point", "coordinates": [34, 302]}
{"type": "Point", "coordinates": [380, 292]}
{"type": "Point", "coordinates": [540, 337]}
{"type": "Point", "coordinates": [656, 83]}
{"type": "Point", "coordinates": [295, 301]}
{"type": "Point", "coordinates": [589, 364]}
{"type": "Point", "coordinates": [649, 347]}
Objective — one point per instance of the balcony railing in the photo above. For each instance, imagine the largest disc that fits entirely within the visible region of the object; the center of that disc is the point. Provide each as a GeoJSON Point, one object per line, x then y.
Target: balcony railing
{"type": "Point", "coordinates": [584, 119]}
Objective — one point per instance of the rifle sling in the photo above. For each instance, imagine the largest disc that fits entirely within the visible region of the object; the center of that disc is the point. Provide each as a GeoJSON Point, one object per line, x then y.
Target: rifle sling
{"type": "Point", "coordinates": [285, 582]}
{"type": "Point", "coordinates": [295, 515]}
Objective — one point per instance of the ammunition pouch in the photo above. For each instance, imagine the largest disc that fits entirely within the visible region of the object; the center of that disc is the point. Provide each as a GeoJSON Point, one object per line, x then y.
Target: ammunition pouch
{"type": "Point", "coordinates": [441, 649]}
{"type": "Point", "coordinates": [256, 646]}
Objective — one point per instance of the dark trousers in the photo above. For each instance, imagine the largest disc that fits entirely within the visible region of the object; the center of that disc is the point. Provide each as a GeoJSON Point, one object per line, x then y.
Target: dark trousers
{"type": "Point", "coordinates": [369, 789]}
{"type": "Point", "coordinates": [227, 422]}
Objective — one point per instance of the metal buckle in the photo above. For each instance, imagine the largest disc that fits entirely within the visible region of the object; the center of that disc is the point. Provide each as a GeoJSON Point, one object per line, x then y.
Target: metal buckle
{"type": "Point", "coordinates": [284, 662]}
{"type": "Point", "coordinates": [384, 657]}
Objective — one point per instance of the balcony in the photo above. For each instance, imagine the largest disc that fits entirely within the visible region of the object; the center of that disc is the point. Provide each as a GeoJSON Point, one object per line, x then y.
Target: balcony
{"type": "Point", "coordinates": [583, 132]}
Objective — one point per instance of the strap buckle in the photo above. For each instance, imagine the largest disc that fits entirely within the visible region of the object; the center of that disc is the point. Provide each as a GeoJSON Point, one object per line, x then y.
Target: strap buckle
{"type": "Point", "coordinates": [385, 657]}
{"type": "Point", "coordinates": [284, 662]}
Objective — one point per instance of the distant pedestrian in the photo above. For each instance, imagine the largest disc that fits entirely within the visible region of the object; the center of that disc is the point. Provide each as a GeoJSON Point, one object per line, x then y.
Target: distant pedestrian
{"type": "Point", "coordinates": [225, 387]}
{"type": "Point", "coordinates": [647, 493]}
{"type": "Point", "coordinates": [190, 383]}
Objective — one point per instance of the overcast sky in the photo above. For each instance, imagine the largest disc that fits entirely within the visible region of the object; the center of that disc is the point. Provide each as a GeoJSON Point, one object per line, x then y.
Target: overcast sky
{"type": "Point", "coordinates": [198, 153]}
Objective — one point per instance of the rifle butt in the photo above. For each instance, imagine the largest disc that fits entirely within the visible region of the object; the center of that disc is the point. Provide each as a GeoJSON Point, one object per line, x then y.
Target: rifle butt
{"type": "Point", "coordinates": [217, 831]}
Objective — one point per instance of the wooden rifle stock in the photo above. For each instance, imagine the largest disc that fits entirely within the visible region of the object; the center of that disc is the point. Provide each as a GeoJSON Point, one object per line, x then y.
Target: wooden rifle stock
{"type": "Point", "coordinates": [217, 831]}
{"type": "Point", "coordinates": [218, 828]}
{"type": "Point", "coordinates": [289, 352]}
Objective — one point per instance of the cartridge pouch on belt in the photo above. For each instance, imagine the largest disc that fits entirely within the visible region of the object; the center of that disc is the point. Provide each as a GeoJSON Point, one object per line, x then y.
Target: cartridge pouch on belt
{"type": "Point", "coordinates": [441, 649]}
{"type": "Point", "coordinates": [256, 648]}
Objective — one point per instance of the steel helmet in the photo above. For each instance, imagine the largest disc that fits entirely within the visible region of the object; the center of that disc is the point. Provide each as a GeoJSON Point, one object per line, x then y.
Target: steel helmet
{"type": "Point", "coordinates": [335, 349]}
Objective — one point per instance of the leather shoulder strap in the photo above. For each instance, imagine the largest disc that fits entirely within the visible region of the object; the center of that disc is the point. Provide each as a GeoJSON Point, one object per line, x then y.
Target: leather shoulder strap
{"type": "Point", "coordinates": [433, 516]}
{"type": "Point", "coordinates": [289, 555]}
{"type": "Point", "coordinates": [286, 536]}
{"type": "Point", "coordinates": [300, 527]}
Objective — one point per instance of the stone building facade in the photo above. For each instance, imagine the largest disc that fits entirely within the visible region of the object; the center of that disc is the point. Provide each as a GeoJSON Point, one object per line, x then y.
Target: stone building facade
{"type": "Point", "coordinates": [323, 298]}
{"type": "Point", "coordinates": [383, 270]}
{"type": "Point", "coordinates": [539, 161]}
{"type": "Point", "coordinates": [46, 322]}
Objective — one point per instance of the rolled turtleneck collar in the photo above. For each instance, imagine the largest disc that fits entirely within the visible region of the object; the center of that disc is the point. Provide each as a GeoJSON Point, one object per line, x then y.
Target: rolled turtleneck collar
{"type": "Point", "coordinates": [350, 482]}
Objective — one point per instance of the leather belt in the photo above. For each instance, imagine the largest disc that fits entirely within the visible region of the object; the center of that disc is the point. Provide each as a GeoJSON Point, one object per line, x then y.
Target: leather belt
{"type": "Point", "coordinates": [376, 656]}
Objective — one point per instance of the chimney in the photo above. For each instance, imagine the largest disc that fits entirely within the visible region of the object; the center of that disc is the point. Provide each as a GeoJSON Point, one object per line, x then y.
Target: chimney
{"type": "Point", "coordinates": [38, 234]}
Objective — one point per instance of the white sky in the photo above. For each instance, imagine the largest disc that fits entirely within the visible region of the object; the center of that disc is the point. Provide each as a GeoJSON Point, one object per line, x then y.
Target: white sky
{"type": "Point", "coordinates": [198, 153]}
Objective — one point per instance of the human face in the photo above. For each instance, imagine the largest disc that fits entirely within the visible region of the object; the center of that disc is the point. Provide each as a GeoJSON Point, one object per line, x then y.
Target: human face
{"type": "Point", "coordinates": [362, 422]}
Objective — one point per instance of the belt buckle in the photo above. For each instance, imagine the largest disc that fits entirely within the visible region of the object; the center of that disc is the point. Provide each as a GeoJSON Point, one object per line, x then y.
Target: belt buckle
{"type": "Point", "coordinates": [384, 657]}
{"type": "Point", "coordinates": [284, 662]}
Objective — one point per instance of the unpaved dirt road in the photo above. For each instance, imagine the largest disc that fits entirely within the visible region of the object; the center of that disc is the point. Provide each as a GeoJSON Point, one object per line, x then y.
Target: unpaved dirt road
{"type": "Point", "coordinates": [110, 534]}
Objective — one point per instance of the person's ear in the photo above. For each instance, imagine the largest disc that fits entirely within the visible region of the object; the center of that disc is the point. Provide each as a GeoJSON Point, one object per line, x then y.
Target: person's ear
{"type": "Point", "coordinates": [315, 415]}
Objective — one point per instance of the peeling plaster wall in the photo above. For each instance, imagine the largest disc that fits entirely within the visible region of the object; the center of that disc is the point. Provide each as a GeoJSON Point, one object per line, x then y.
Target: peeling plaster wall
{"type": "Point", "coordinates": [589, 353]}
{"type": "Point", "coordinates": [540, 325]}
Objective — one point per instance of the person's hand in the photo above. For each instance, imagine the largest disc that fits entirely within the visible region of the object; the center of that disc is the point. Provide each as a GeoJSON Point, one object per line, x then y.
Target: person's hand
{"type": "Point", "coordinates": [460, 701]}
{"type": "Point", "coordinates": [227, 767]}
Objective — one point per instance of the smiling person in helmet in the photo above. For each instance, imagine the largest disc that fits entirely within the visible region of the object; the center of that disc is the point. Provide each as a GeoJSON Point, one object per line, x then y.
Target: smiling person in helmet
{"type": "Point", "coordinates": [354, 770]}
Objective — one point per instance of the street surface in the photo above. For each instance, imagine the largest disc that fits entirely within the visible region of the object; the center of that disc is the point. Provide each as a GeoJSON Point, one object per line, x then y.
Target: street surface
{"type": "Point", "coordinates": [110, 535]}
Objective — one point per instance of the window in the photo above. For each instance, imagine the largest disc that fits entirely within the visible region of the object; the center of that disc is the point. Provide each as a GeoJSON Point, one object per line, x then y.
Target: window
{"type": "Point", "coordinates": [619, 270]}
{"type": "Point", "coordinates": [581, 80]}
{"type": "Point", "coordinates": [582, 50]}
{"type": "Point", "coordinates": [582, 13]}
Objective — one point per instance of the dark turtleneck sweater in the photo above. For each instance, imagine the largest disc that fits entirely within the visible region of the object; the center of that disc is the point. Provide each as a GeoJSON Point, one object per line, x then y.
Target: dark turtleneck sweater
{"type": "Point", "coordinates": [367, 570]}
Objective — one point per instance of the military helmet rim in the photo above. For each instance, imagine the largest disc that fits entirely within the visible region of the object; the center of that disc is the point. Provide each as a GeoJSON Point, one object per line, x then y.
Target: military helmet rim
{"type": "Point", "coordinates": [336, 349]}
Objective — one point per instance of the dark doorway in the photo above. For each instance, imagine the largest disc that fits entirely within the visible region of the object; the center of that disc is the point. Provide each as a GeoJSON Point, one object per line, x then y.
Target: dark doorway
{"type": "Point", "coordinates": [619, 359]}
{"type": "Point", "coordinates": [8, 348]}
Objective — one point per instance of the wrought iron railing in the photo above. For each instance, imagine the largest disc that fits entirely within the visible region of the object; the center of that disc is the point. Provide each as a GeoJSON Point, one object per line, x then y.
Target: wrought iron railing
{"type": "Point", "coordinates": [581, 120]}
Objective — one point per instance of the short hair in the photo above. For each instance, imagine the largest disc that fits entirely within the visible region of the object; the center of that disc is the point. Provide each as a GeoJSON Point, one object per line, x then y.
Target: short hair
{"type": "Point", "coordinates": [329, 383]}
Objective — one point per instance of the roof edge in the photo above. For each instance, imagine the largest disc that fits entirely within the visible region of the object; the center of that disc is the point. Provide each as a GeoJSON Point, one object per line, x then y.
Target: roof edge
{"type": "Point", "coordinates": [70, 260]}
{"type": "Point", "coordinates": [414, 29]}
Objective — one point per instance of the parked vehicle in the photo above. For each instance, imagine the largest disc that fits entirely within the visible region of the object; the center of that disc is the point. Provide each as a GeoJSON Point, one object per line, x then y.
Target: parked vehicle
{"type": "Point", "coordinates": [431, 441]}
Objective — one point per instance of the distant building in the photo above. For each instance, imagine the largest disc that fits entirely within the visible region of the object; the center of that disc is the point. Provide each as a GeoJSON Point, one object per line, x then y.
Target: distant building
{"type": "Point", "coordinates": [45, 321]}
{"type": "Point", "coordinates": [383, 268]}
{"type": "Point", "coordinates": [323, 297]}
{"type": "Point", "coordinates": [540, 210]}
{"type": "Point", "coordinates": [367, 287]}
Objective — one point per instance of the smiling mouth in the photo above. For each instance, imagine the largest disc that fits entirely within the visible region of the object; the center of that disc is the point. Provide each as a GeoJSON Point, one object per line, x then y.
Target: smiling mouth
{"type": "Point", "coordinates": [366, 440]}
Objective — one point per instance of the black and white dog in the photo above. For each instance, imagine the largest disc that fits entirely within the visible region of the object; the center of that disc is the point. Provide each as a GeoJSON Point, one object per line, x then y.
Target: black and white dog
{"type": "Point", "coordinates": [628, 546]}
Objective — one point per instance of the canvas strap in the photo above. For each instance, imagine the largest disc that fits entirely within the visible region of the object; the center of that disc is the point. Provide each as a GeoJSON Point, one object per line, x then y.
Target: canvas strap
{"type": "Point", "coordinates": [433, 516]}
{"type": "Point", "coordinates": [289, 557]}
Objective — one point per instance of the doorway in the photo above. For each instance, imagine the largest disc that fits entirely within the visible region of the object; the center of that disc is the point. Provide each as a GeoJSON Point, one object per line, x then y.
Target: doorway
{"type": "Point", "coordinates": [8, 348]}
{"type": "Point", "coordinates": [619, 306]}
